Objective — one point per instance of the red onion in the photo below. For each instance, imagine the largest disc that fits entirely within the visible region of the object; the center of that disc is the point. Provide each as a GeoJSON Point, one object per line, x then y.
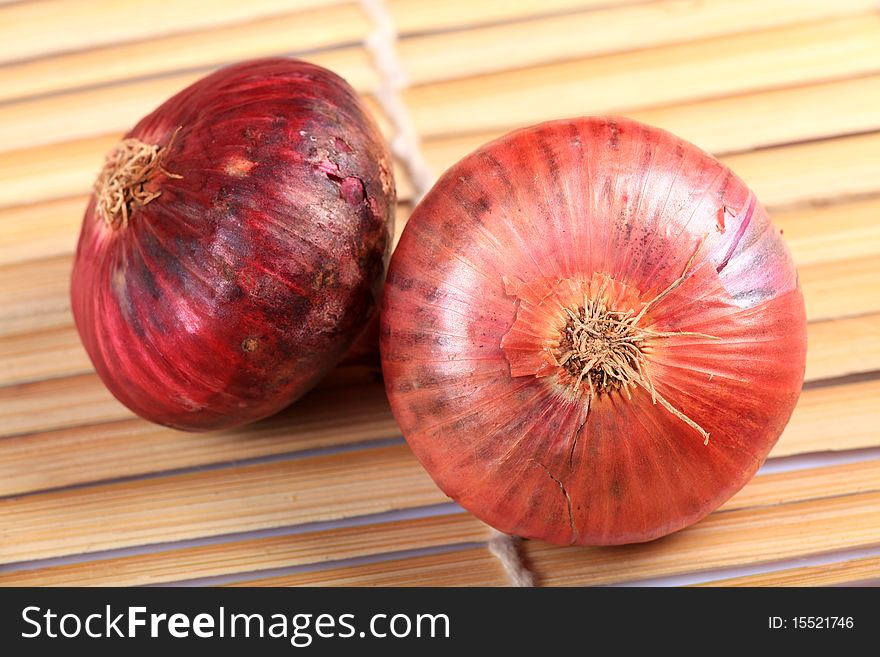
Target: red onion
{"type": "Point", "coordinates": [591, 332]}
{"type": "Point", "coordinates": [234, 245]}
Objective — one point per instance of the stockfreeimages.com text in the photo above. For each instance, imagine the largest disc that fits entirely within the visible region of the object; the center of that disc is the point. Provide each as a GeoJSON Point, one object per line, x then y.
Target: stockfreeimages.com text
{"type": "Point", "coordinates": [299, 629]}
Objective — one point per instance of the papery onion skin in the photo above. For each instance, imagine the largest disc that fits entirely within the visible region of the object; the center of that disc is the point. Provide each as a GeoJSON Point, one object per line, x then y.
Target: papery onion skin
{"type": "Point", "coordinates": [234, 291]}
{"type": "Point", "coordinates": [521, 227]}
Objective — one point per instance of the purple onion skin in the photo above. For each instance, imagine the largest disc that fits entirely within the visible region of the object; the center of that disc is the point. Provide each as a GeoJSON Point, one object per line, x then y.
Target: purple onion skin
{"type": "Point", "coordinates": [233, 292]}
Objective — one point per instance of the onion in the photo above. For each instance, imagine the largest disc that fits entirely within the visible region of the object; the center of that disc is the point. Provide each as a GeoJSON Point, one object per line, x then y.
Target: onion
{"type": "Point", "coordinates": [591, 332]}
{"type": "Point", "coordinates": [234, 245]}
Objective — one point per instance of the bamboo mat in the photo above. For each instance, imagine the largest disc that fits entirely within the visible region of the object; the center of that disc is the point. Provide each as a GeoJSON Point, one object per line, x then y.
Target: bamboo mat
{"type": "Point", "coordinates": [786, 92]}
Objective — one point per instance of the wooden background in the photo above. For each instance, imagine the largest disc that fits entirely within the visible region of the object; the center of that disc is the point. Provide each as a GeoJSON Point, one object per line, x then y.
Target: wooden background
{"type": "Point", "coordinates": [786, 92]}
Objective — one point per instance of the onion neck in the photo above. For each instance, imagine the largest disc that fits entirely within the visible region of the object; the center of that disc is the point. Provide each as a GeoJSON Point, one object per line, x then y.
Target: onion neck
{"type": "Point", "coordinates": [594, 344]}
{"type": "Point", "coordinates": [602, 347]}
{"type": "Point", "coordinates": [127, 180]}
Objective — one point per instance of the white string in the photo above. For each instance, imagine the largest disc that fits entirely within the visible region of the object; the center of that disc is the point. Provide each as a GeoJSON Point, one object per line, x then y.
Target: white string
{"type": "Point", "coordinates": [406, 145]}
{"type": "Point", "coordinates": [505, 548]}
{"type": "Point", "coordinates": [405, 142]}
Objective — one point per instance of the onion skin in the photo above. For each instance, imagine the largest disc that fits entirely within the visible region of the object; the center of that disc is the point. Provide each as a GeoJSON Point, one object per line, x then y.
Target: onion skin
{"type": "Point", "coordinates": [475, 292]}
{"type": "Point", "coordinates": [234, 291]}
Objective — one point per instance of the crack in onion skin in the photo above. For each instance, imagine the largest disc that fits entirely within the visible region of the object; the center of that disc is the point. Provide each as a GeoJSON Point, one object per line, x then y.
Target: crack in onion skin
{"type": "Point", "coordinates": [510, 236]}
{"type": "Point", "coordinates": [234, 291]}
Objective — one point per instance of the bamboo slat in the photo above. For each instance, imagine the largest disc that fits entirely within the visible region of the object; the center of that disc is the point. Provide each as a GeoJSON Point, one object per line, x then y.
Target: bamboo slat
{"type": "Point", "coordinates": [50, 354]}
{"type": "Point", "coordinates": [800, 172]}
{"type": "Point", "coordinates": [40, 230]}
{"type": "Point", "coordinates": [291, 492]}
{"type": "Point", "coordinates": [793, 486]}
{"type": "Point", "coordinates": [629, 81]}
{"type": "Point", "coordinates": [722, 540]}
{"type": "Point", "coordinates": [429, 15]}
{"type": "Point", "coordinates": [828, 574]}
{"type": "Point", "coordinates": [258, 554]}
{"type": "Point", "coordinates": [613, 83]}
{"type": "Point", "coordinates": [832, 418]}
{"type": "Point", "coordinates": [837, 289]}
{"type": "Point", "coordinates": [123, 448]}
{"type": "Point", "coordinates": [836, 231]}
{"type": "Point", "coordinates": [741, 123]}
{"type": "Point", "coordinates": [36, 29]}
{"type": "Point", "coordinates": [465, 53]}
{"type": "Point", "coordinates": [728, 124]}
{"type": "Point", "coordinates": [427, 58]}
{"type": "Point", "coordinates": [286, 551]}
{"type": "Point", "coordinates": [470, 567]}
{"type": "Point", "coordinates": [34, 295]}
{"type": "Point", "coordinates": [752, 120]}
{"type": "Point", "coordinates": [839, 347]}
{"type": "Point", "coordinates": [234, 499]}
{"type": "Point", "coordinates": [48, 404]}
{"type": "Point", "coordinates": [74, 117]}
{"type": "Point", "coordinates": [53, 172]}
{"type": "Point", "coordinates": [50, 27]}
{"type": "Point", "coordinates": [299, 32]}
